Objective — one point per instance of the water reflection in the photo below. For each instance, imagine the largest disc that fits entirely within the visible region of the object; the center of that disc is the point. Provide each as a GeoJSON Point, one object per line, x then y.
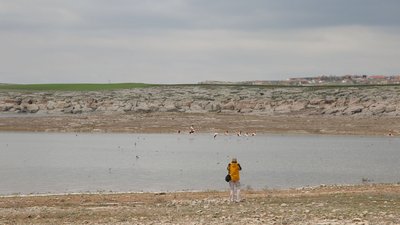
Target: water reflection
{"type": "Point", "coordinates": [66, 162]}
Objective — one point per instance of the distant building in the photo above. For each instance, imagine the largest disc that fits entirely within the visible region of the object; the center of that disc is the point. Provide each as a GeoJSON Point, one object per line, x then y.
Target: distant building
{"type": "Point", "coordinates": [377, 77]}
{"type": "Point", "coordinates": [348, 79]}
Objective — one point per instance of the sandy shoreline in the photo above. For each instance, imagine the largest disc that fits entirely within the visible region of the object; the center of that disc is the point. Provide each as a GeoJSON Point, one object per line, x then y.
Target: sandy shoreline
{"type": "Point", "coordinates": [361, 204]}
{"type": "Point", "coordinates": [203, 122]}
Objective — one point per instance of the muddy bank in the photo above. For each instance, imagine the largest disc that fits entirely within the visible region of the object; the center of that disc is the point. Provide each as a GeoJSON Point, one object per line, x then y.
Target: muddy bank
{"type": "Point", "coordinates": [203, 122]}
{"type": "Point", "coordinates": [364, 204]}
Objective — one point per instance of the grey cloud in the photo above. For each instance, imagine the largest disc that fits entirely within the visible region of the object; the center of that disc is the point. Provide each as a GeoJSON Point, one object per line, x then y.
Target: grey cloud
{"type": "Point", "coordinates": [298, 14]}
{"type": "Point", "coordinates": [197, 14]}
{"type": "Point", "coordinates": [89, 15]}
{"type": "Point", "coordinates": [175, 41]}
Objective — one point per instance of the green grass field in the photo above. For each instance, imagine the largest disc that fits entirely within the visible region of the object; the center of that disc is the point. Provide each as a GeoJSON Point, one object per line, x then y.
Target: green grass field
{"type": "Point", "coordinates": [73, 87]}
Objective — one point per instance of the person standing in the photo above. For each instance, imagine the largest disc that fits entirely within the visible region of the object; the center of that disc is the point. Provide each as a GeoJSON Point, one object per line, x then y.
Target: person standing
{"type": "Point", "coordinates": [234, 184]}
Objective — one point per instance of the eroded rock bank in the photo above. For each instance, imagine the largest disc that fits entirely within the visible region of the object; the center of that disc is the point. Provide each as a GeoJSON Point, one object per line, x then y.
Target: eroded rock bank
{"type": "Point", "coordinates": [348, 101]}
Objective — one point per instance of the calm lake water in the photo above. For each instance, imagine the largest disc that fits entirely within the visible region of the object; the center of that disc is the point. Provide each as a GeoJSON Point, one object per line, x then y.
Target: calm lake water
{"type": "Point", "coordinates": [69, 162]}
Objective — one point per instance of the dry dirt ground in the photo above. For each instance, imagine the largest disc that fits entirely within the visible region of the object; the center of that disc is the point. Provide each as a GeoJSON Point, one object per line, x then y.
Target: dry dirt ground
{"type": "Point", "coordinates": [363, 204]}
{"type": "Point", "coordinates": [204, 123]}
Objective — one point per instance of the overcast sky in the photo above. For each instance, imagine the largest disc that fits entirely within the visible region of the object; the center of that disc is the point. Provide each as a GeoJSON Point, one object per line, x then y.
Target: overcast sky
{"type": "Point", "coordinates": [188, 41]}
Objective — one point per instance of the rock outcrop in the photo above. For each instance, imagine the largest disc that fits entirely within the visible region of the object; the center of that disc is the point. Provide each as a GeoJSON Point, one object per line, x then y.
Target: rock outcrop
{"type": "Point", "coordinates": [341, 101]}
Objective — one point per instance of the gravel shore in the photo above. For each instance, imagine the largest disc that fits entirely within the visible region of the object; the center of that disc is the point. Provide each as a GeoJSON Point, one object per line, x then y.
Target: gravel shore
{"type": "Point", "coordinates": [363, 204]}
{"type": "Point", "coordinates": [203, 122]}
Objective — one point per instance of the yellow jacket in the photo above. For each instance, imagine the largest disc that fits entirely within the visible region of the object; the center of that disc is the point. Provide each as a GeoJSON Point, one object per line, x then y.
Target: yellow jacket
{"type": "Point", "coordinates": [234, 169]}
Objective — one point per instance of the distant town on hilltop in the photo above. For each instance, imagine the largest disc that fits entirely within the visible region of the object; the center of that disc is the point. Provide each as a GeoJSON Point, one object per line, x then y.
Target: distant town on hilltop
{"type": "Point", "coordinates": [322, 80]}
